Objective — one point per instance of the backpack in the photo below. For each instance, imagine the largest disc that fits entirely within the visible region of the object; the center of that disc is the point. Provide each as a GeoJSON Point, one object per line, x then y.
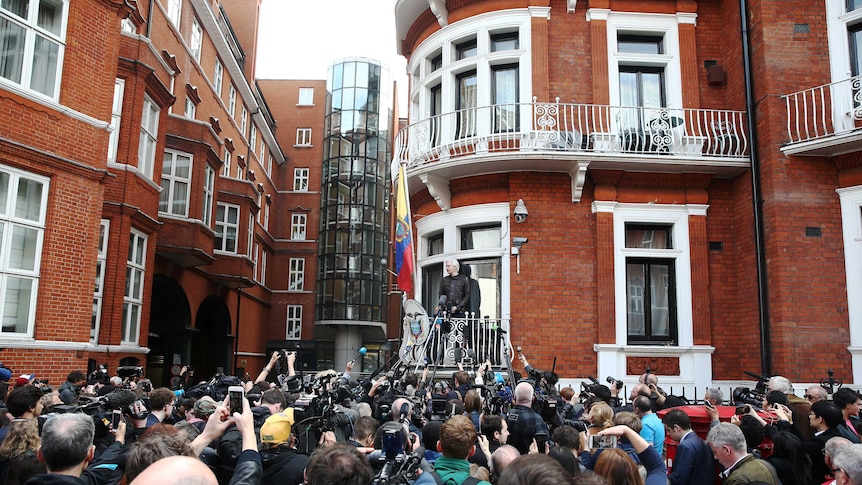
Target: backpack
{"type": "Point", "coordinates": [467, 481]}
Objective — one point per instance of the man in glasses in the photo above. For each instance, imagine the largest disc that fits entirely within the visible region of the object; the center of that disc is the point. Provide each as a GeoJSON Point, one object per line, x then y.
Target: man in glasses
{"type": "Point", "coordinates": [815, 393]}
{"type": "Point", "coordinates": [848, 465]}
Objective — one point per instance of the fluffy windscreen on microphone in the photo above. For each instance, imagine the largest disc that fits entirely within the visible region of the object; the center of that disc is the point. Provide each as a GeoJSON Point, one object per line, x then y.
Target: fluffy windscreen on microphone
{"type": "Point", "coordinates": [442, 301]}
{"type": "Point", "coordinates": [119, 398]}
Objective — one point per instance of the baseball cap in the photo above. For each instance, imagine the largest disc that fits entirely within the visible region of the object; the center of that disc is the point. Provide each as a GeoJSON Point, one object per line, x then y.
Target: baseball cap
{"type": "Point", "coordinates": [276, 428]}
{"type": "Point", "coordinates": [204, 407]}
{"type": "Point", "coordinates": [24, 379]}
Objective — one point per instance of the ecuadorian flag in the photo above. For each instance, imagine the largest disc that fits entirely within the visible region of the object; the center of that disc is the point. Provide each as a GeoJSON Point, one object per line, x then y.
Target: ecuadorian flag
{"type": "Point", "coordinates": [403, 235]}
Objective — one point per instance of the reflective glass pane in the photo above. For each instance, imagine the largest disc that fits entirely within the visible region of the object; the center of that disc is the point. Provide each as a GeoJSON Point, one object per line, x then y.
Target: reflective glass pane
{"type": "Point", "coordinates": [856, 49]}
{"type": "Point", "coordinates": [337, 76]}
{"type": "Point", "coordinates": [635, 299]}
{"type": "Point", "coordinates": [350, 74]}
{"type": "Point", "coordinates": [4, 192]}
{"type": "Point", "coordinates": [22, 250]}
{"type": "Point", "coordinates": [659, 289]}
{"type": "Point", "coordinates": [28, 203]}
{"type": "Point", "coordinates": [853, 5]}
{"type": "Point", "coordinates": [362, 75]}
{"type": "Point", "coordinates": [181, 168]}
{"type": "Point", "coordinates": [16, 304]}
{"type": "Point", "coordinates": [181, 195]}
{"type": "Point", "coordinates": [17, 7]}
{"type": "Point", "coordinates": [44, 73]}
{"type": "Point", "coordinates": [11, 50]}
{"type": "Point", "coordinates": [50, 16]}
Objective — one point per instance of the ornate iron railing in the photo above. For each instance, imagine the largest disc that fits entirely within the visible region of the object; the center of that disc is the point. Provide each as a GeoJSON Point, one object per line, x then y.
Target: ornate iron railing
{"type": "Point", "coordinates": [468, 340]}
{"type": "Point", "coordinates": [823, 111]}
{"type": "Point", "coordinates": [575, 128]}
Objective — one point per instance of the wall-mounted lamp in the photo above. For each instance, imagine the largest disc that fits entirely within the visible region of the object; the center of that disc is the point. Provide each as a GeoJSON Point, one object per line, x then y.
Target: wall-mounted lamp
{"type": "Point", "coordinates": [520, 211]}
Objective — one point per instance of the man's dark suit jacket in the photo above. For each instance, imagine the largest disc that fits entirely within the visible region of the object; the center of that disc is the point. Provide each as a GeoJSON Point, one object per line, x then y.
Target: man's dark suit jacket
{"type": "Point", "coordinates": [814, 448]}
{"type": "Point", "coordinates": [693, 463]}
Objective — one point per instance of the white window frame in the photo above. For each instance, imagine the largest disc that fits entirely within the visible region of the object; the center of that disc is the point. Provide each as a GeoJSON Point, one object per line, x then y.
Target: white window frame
{"type": "Point", "coordinates": [231, 101]}
{"type": "Point", "coordinates": [133, 297]}
{"type": "Point", "coordinates": [209, 196]}
{"type": "Point", "coordinates": [243, 121]}
{"type": "Point", "coordinates": [297, 227]}
{"type": "Point", "coordinates": [196, 40]}
{"type": "Point", "coordinates": [306, 97]}
{"type": "Point", "coordinates": [296, 275]}
{"type": "Point", "coordinates": [224, 225]}
{"type": "Point", "coordinates": [651, 24]}
{"type": "Point", "coordinates": [293, 323]}
{"type": "Point", "coordinates": [99, 289]}
{"type": "Point", "coordinates": [149, 137]}
{"type": "Point", "coordinates": [252, 138]}
{"type": "Point", "coordinates": [175, 8]}
{"type": "Point", "coordinates": [116, 118]}
{"type": "Point", "coordinates": [851, 224]}
{"type": "Point", "coordinates": [218, 77]}
{"type": "Point", "coordinates": [838, 24]}
{"type": "Point", "coordinates": [190, 108]}
{"type": "Point", "coordinates": [239, 171]}
{"type": "Point", "coordinates": [250, 234]}
{"type": "Point", "coordinates": [225, 168]}
{"type": "Point", "coordinates": [254, 255]}
{"type": "Point", "coordinates": [300, 179]}
{"type": "Point", "coordinates": [13, 220]}
{"type": "Point", "coordinates": [444, 42]}
{"type": "Point", "coordinates": [268, 162]}
{"type": "Point", "coordinates": [266, 215]}
{"type": "Point", "coordinates": [303, 137]}
{"type": "Point", "coordinates": [262, 266]}
{"type": "Point", "coordinates": [171, 182]}
{"type": "Point", "coordinates": [33, 32]}
{"type": "Point", "coordinates": [262, 157]}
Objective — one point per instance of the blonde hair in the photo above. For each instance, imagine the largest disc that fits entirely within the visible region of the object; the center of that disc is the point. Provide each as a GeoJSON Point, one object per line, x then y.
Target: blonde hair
{"type": "Point", "coordinates": [23, 436]}
{"type": "Point", "coordinates": [601, 415]}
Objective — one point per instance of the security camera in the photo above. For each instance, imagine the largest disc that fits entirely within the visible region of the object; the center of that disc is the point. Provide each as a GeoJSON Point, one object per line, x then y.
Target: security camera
{"type": "Point", "coordinates": [519, 241]}
{"type": "Point", "coordinates": [520, 211]}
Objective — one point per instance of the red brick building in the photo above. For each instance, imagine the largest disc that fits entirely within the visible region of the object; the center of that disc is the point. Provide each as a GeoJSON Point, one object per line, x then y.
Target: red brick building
{"type": "Point", "coordinates": [624, 128]}
{"type": "Point", "coordinates": [136, 146]}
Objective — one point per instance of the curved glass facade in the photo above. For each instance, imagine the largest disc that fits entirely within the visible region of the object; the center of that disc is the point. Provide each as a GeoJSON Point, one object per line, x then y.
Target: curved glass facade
{"type": "Point", "coordinates": [354, 216]}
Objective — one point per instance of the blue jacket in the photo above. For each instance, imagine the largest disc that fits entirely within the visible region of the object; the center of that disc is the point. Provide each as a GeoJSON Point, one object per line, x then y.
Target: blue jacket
{"type": "Point", "coordinates": [693, 463]}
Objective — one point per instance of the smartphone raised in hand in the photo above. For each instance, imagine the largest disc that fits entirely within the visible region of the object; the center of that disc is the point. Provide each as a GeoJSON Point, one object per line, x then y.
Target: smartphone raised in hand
{"type": "Point", "coordinates": [236, 394]}
{"type": "Point", "coordinates": [597, 442]}
{"type": "Point", "coordinates": [542, 442]}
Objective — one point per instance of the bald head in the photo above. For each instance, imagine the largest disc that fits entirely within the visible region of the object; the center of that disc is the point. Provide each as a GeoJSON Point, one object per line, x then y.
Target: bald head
{"type": "Point", "coordinates": [176, 470]}
{"type": "Point", "coordinates": [396, 407]}
{"type": "Point", "coordinates": [524, 394]}
{"type": "Point", "coordinates": [502, 457]}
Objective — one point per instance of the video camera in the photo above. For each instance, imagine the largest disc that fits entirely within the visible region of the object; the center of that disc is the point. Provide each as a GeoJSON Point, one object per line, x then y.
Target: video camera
{"type": "Point", "coordinates": [744, 395]}
{"type": "Point", "coordinates": [614, 382]}
{"type": "Point", "coordinates": [397, 464]}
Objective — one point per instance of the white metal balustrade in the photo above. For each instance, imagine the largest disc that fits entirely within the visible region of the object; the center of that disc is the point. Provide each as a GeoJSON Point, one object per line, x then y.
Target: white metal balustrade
{"type": "Point", "coordinates": [824, 111]}
{"type": "Point", "coordinates": [575, 128]}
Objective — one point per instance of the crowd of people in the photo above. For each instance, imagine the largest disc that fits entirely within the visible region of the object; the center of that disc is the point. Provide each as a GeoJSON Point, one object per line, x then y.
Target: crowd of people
{"type": "Point", "coordinates": [399, 427]}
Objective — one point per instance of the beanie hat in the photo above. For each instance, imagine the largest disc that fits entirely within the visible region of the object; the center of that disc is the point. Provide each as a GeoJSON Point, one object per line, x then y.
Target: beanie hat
{"type": "Point", "coordinates": [276, 428]}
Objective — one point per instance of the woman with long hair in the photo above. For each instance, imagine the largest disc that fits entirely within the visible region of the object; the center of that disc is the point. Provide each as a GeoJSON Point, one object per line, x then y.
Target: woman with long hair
{"type": "Point", "coordinates": [790, 459]}
{"type": "Point", "coordinates": [473, 407]}
{"type": "Point", "coordinates": [22, 437]}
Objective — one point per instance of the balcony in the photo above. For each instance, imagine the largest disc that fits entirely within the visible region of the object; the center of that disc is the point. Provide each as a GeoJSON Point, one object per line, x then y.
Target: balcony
{"type": "Point", "coordinates": [562, 137]}
{"type": "Point", "coordinates": [825, 120]}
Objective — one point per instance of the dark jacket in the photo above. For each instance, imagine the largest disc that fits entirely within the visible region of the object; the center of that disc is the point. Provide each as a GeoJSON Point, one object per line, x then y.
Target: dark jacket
{"type": "Point", "coordinates": [751, 469]}
{"type": "Point", "coordinates": [68, 392]}
{"type": "Point", "coordinates": [693, 463]}
{"type": "Point", "coordinates": [457, 291]}
{"type": "Point", "coordinates": [283, 466]}
{"type": "Point", "coordinates": [248, 469]}
{"type": "Point", "coordinates": [814, 447]}
{"type": "Point", "coordinates": [52, 479]}
{"type": "Point", "coordinates": [524, 423]}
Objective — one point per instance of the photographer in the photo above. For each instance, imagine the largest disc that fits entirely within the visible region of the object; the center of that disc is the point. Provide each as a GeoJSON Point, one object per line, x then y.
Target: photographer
{"type": "Point", "coordinates": [282, 464]}
{"type": "Point", "coordinates": [70, 389]}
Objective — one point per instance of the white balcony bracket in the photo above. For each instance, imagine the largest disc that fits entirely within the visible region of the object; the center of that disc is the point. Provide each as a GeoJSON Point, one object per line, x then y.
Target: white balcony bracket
{"type": "Point", "coordinates": [579, 176]}
{"type": "Point", "coordinates": [571, 6]}
{"type": "Point", "coordinates": [438, 187]}
{"type": "Point", "coordinates": [438, 8]}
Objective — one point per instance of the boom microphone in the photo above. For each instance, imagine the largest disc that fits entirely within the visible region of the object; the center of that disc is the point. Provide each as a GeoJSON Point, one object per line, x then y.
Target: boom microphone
{"type": "Point", "coordinates": [362, 351]}
{"type": "Point", "coordinates": [405, 409]}
{"type": "Point", "coordinates": [442, 301]}
{"type": "Point", "coordinates": [119, 398]}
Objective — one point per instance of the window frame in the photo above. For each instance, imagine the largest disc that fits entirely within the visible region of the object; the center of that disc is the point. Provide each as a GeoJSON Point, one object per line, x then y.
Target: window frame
{"type": "Point", "coordinates": [173, 181]}
{"type": "Point", "coordinates": [293, 317]}
{"type": "Point", "coordinates": [116, 119]}
{"type": "Point", "coordinates": [220, 245]}
{"type": "Point", "coordinates": [303, 137]}
{"type": "Point", "coordinates": [298, 227]}
{"type": "Point", "coordinates": [209, 196]}
{"type": "Point", "coordinates": [296, 275]}
{"type": "Point", "coordinates": [33, 33]}
{"type": "Point", "coordinates": [135, 300]}
{"type": "Point", "coordinates": [231, 101]}
{"type": "Point", "coordinates": [306, 97]}
{"type": "Point", "coordinates": [99, 286]}
{"type": "Point", "coordinates": [190, 109]}
{"type": "Point", "coordinates": [149, 137]}
{"type": "Point", "coordinates": [174, 12]}
{"type": "Point", "coordinates": [300, 178]}
{"type": "Point", "coordinates": [218, 77]}
{"type": "Point", "coordinates": [9, 221]}
{"type": "Point", "coordinates": [196, 40]}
